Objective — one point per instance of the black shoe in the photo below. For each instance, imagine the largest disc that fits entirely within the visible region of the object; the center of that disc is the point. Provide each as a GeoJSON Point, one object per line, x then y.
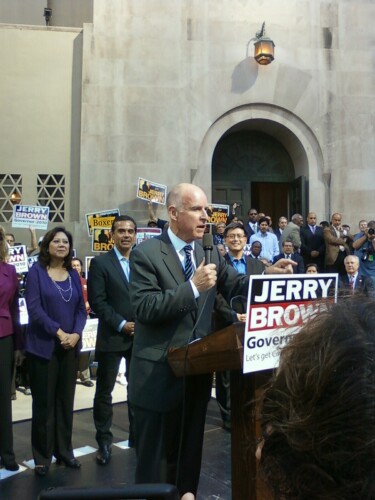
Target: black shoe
{"type": "Point", "coordinates": [41, 470]}
{"type": "Point", "coordinates": [88, 383]}
{"type": "Point", "coordinates": [72, 463]}
{"type": "Point", "coordinates": [104, 454]}
{"type": "Point", "coordinates": [13, 466]}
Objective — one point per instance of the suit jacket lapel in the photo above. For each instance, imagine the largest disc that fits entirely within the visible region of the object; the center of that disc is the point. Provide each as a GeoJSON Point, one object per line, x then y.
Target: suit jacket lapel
{"type": "Point", "coordinates": [171, 259]}
{"type": "Point", "coordinates": [112, 255]}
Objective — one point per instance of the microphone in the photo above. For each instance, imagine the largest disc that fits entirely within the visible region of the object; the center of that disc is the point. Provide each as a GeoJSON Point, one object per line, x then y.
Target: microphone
{"type": "Point", "coordinates": [208, 246]}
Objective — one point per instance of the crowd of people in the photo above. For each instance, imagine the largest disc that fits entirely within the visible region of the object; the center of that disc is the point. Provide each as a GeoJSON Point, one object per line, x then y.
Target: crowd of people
{"type": "Point", "coordinates": [325, 244]}
{"type": "Point", "coordinates": [152, 297]}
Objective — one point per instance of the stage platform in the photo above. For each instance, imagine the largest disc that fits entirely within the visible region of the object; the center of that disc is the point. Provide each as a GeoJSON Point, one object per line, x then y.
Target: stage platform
{"type": "Point", "coordinates": [215, 483]}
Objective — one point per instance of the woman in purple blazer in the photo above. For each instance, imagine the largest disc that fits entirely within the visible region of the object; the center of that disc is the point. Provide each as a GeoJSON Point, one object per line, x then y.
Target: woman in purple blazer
{"type": "Point", "coordinates": [57, 316]}
{"type": "Point", "coordinates": [10, 339]}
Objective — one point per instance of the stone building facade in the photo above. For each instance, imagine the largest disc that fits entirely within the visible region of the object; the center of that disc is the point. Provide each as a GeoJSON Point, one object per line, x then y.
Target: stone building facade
{"type": "Point", "coordinates": [169, 91]}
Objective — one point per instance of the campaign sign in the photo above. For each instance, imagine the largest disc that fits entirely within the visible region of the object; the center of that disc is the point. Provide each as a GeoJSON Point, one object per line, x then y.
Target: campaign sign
{"type": "Point", "coordinates": [30, 216]}
{"type": "Point", "coordinates": [151, 191]}
{"type": "Point", "coordinates": [278, 306]}
{"type": "Point", "coordinates": [24, 317]}
{"type": "Point", "coordinates": [32, 260]}
{"type": "Point", "coordinates": [101, 240]}
{"type": "Point", "coordinates": [219, 213]}
{"type": "Point", "coordinates": [145, 233]}
{"type": "Point", "coordinates": [101, 220]}
{"type": "Point", "coordinates": [89, 335]}
{"type": "Point", "coordinates": [17, 256]}
{"type": "Point", "coordinates": [88, 260]}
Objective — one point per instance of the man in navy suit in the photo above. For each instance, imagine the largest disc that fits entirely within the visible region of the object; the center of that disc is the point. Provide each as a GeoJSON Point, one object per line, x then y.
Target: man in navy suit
{"type": "Point", "coordinates": [173, 293]}
{"type": "Point", "coordinates": [353, 283]}
{"type": "Point", "coordinates": [108, 295]}
{"type": "Point", "coordinates": [312, 242]}
{"type": "Point", "coordinates": [288, 253]}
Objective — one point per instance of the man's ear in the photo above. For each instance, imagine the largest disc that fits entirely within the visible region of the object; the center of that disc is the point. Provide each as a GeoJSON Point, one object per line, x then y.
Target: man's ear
{"type": "Point", "coordinates": [173, 212]}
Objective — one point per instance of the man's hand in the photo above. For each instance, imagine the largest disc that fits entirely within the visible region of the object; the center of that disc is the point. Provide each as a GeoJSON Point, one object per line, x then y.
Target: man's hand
{"type": "Point", "coordinates": [282, 266]}
{"type": "Point", "coordinates": [205, 277]}
{"type": "Point", "coordinates": [314, 253]}
{"type": "Point", "coordinates": [128, 328]}
{"type": "Point", "coordinates": [241, 317]}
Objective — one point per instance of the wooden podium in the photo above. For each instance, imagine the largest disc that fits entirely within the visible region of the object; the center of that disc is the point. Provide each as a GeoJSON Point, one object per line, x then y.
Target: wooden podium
{"type": "Point", "coordinates": [223, 350]}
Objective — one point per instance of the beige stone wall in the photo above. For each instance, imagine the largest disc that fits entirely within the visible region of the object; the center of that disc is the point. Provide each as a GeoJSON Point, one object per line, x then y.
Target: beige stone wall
{"type": "Point", "coordinates": [162, 81]}
{"type": "Point", "coordinates": [71, 13]}
{"type": "Point", "coordinates": [40, 94]}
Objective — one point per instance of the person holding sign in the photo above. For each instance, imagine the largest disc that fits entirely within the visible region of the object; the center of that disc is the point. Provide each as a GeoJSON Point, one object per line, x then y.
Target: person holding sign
{"type": "Point", "coordinates": [317, 416]}
{"type": "Point", "coordinates": [172, 292]}
{"type": "Point", "coordinates": [10, 345]}
{"type": "Point", "coordinates": [57, 316]}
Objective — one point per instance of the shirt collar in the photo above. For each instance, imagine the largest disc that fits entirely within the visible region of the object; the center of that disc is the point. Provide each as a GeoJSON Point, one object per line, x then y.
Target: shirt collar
{"type": "Point", "coordinates": [177, 242]}
{"type": "Point", "coordinates": [242, 259]}
{"type": "Point", "coordinates": [118, 255]}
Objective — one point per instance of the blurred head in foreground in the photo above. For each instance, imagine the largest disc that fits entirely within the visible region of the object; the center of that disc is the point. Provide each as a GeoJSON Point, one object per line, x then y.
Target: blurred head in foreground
{"type": "Point", "coordinates": [318, 415]}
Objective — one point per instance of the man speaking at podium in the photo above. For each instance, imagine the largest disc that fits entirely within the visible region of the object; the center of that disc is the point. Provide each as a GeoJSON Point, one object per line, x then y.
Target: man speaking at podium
{"type": "Point", "coordinates": [172, 291]}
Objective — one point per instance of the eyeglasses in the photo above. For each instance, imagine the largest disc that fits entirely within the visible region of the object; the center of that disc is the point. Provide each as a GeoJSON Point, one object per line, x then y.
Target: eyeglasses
{"type": "Point", "coordinates": [235, 236]}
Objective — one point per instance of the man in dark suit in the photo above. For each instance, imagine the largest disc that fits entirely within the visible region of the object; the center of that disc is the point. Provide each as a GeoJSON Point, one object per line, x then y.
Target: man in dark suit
{"type": "Point", "coordinates": [312, 242]}
{"type": "Point", "coordinates": [108, 295]}
{"type": "Point", "coordinates": [226, 314]}
{"type": "Point", "coordinates": [283, 221]}
{"type": "Point", "coordinates": [173, 307]}
{"type": "Point", "coordinates": [252, 224]}
{"type": "Point", "coordinates": [353, 283]}
{"type": "Point", "coordinates": [288, 253]}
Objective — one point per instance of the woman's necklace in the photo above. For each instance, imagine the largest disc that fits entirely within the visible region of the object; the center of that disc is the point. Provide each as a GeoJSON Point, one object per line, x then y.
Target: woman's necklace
{"type": "Point", "coordinates": [69, 290]}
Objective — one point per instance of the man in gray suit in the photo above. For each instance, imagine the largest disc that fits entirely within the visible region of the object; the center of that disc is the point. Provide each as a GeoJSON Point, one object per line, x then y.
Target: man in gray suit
{"type": "Point", "coordinates": [173, 307]}
{"type": "Point", "coordinates": [108, 295]}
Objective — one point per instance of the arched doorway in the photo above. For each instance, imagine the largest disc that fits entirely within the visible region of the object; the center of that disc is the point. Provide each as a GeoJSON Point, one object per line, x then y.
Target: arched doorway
{"type": "Point", "coordinates": [308, 182]}
{"type": "Point", "coordinates": [253, 169]}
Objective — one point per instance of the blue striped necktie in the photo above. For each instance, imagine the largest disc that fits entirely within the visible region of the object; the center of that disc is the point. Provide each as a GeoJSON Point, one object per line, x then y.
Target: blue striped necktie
{"type": "Point", "coordinates": [188, 271]}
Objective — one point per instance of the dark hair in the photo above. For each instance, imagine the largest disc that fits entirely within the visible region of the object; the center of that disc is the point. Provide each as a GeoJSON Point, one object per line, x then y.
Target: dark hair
{"type": "Point", "coordinates": [263, 219]}
{"type": "Point", "coordinates": [120, 218]}
{"type": "Point", "coordinates": [324, 223]}
{"type": "Point", "coordinates": [232, 226]}
{"type": "Point", "coordinates": [312, 264]}
{"type": "Point", "coordinates": [318, 415]}
{"type": "Point", "coordinates": [256, 241]}
{"type": "Point", "coordinates": [79, 260]}
{"type": "Point", "coordinates": [44, 256]}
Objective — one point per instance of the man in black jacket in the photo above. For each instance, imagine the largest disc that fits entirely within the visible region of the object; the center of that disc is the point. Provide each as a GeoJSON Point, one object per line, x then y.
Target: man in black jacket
{"type": "Point", "coordinates": [108, 295]}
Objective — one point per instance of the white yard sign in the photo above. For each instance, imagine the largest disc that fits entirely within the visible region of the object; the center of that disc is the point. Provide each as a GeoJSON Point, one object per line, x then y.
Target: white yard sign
{"type": "Point", "coordinates": [278, 306]}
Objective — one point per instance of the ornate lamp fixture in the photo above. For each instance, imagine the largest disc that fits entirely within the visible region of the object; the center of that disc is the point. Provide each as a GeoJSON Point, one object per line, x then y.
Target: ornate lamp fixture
{"type": "Point", "coordinates": [263, 47]}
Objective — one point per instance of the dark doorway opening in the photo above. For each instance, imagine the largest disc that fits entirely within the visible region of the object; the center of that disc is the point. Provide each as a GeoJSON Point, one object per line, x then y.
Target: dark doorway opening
{"type": "Point", "coordinates": [270, 198]}
{"type": "Point", "coordinates": [254, 169]}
